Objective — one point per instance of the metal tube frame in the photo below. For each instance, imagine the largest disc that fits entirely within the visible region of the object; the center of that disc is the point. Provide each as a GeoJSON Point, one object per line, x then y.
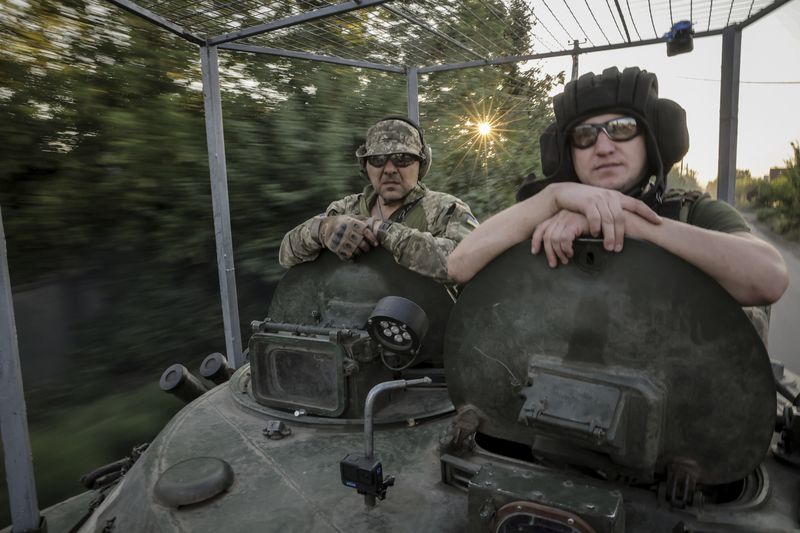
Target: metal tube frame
{"type": "Point", "coordinates": [13, 414]}
{"type": "Point", "coordinates": [212, 102]}
{"type": "Point", "coordinates": [548, 55]}
{"type": "Point", "coordinates": [412, 89]}
{"type": "Point", "coordinates": [158, 20]}
{"type": "Point", "coordinates": [13, 421]}
{"type": "Point", "coordinates": [294, 20]}
{"type": "Point", "coordinates": [310, 57]}
{"type": "Point", "coordinates": [729, 113]}
{"type": "Point", "coordinates": [434, 31]}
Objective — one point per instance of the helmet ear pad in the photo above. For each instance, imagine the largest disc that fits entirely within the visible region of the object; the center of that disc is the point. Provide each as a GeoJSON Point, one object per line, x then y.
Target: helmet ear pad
{"type": "Point", "coordinates": [671, 132]}
{"type": "Point", "coordinates": [551, 148]}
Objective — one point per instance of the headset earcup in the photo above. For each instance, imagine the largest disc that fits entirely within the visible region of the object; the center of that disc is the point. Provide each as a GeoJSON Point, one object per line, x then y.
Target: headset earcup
{"type": "Point", "coordinates": [425, 163]}
{"type": "Point", "coordinates": [362, 161]}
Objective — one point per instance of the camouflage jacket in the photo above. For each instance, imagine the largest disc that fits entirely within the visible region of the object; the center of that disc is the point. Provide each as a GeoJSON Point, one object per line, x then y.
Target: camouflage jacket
{"type": "Point", "coordinates": [425, 229]}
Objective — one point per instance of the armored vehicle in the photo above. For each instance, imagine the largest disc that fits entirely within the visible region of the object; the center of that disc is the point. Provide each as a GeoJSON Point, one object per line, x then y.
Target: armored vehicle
{"type": "Point", "coordinates": [622, 392]}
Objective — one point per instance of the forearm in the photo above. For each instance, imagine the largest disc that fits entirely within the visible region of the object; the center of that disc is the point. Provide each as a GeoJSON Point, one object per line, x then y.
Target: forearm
{"type": "Point", "coordinates": [298, 246]}
{"type": "Point", "coordinates": [498, 234]}
{"type": "Point", "coordinates": [751, 270]}
{"type": "Point", "coordinates": [419, 251]}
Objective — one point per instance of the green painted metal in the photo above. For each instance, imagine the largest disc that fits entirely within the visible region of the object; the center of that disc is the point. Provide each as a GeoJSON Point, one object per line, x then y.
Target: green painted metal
{"type": "Point", "coordinates": [332, 293]}
{"type": "Point", "coordinates": [639, 326]}
{"type": "Point", "coordinates": [691, 376]}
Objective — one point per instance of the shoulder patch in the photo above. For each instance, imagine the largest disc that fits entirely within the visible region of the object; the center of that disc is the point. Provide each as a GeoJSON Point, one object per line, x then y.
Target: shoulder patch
{"type": "Point", "coordinates": [470, 220]}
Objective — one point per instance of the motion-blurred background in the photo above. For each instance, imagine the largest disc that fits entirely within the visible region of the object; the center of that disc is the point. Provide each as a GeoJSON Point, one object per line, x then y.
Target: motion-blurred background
{"type": "Point", "coordinates": [106, 203]}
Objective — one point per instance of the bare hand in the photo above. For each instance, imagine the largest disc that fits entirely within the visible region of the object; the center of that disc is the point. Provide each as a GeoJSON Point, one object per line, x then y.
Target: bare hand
{"type": "Point", "coordinates": [556, 235]}
{"type": "Point", "coordinates": [603, 209]}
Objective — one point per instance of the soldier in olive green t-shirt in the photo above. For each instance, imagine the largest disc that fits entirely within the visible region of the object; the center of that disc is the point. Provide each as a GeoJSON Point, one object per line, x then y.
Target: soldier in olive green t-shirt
{"type": "Point", "coordinates": [606, 158]}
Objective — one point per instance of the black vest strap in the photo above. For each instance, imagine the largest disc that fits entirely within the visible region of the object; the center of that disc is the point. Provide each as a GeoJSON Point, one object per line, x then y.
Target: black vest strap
{"type": "Point", "coordinates": [677, 204]}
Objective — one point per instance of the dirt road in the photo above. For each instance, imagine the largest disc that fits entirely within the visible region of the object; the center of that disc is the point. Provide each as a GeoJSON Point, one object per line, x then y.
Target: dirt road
{"type": "Point", "coordinates": [784, 329]}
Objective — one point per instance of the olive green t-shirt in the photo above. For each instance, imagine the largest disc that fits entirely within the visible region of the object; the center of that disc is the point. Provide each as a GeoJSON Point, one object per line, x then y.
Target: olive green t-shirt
{"type": "Point", "coordinates": [716, 215]}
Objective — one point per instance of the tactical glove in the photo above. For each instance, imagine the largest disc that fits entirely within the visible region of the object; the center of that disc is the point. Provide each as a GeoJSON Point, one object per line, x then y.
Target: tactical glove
{"type": "Point", "coordinates": [341, 234]}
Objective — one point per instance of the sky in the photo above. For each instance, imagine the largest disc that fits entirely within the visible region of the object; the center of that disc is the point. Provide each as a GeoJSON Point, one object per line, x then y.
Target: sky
{"type": "Point", "coordinates": [769, 114]}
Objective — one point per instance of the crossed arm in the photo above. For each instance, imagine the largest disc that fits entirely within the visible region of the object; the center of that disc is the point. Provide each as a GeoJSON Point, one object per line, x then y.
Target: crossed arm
{"type": "Point", "coordinates": [424, 252]}
{"type": "Point", "coordinates": [751, 270]}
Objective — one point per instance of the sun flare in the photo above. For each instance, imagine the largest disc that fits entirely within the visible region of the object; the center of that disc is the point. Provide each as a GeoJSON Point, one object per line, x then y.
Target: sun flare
{"type": "Point", "coordinates": [484, 128]}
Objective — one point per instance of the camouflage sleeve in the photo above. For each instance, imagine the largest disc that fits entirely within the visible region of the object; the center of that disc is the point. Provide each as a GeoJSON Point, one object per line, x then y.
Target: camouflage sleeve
{"type": "Point", "coordinates": [426, 252]}
{"type": "Point", "coordinates": [298, 246]}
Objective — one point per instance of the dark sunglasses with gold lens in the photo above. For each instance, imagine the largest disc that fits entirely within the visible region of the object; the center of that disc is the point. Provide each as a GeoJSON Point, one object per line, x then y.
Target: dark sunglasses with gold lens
{"type": "Point", "coordinates": [617, 129]}
{"type": "Point", "coordinates": [399, 160]}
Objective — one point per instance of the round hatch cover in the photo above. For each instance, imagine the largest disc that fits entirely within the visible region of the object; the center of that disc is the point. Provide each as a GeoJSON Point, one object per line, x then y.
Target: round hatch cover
{"type": "Point", "coordinates": [193, 481]}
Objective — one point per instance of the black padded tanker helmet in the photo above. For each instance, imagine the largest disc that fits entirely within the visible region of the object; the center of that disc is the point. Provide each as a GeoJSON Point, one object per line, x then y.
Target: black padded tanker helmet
{"type": "Point", "coordinates": [632, 92]}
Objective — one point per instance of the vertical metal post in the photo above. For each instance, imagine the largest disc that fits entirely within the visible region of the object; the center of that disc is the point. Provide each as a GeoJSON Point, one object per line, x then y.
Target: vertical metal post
{"type": "Point", "coordinates": [212, 101]}
{"type": "Point", "coordinates": [13, 415]}
{"type": "Point", "coordinates": [729, 113]}
{"type": "Point", "coordinates": [413, 94]}
{"type": "Point", "coordinates": [575, 60]}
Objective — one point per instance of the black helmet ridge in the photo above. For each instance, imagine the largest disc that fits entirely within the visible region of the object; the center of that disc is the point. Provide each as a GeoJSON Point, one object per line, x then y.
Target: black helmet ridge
{"type": "Point", "coordinates": [632, 92]}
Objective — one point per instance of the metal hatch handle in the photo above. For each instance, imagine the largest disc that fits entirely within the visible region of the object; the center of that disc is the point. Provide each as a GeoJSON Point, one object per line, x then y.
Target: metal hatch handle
{"type": "Point", "coordinates": [374, 392]}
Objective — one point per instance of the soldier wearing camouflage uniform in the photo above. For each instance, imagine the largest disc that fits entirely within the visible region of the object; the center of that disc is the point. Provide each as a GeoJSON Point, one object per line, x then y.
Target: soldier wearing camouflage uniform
{"type": "Point", "coordinates": [395, 210]}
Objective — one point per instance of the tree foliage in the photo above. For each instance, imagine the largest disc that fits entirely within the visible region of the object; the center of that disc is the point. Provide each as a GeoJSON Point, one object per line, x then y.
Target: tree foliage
{"type": "Point", "coordinates": [105, 170]}
{"type": "Point", "coordinates": [778, 202]}
{"type": "Point", "coordinates": [683, 178]}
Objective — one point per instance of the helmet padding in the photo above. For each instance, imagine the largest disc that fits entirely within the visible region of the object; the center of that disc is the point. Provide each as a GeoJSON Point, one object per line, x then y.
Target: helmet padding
{"type": "Point", "coordinates": [632, 92]}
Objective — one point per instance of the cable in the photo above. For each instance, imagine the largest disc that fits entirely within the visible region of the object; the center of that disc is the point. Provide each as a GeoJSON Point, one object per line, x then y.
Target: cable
{"type": "Point", "coordinates": [744, 82]}
{"type": "Point", "coordinates": [577, 22]}
{"type": "Point", "coordinates": [638, 35]}
{"type": "Point", "coordinates": [540, 21]}
{"type": "Point", "coordinates": [652, 22]}
{"type": "Point", "coordinates": [710, 7]}
{"type": "Point", "coordinates": [595, 20]}
{"type": "Point", "coordinates": [559, 22]}
{"type": "Point", "coordinates": [615, 20]}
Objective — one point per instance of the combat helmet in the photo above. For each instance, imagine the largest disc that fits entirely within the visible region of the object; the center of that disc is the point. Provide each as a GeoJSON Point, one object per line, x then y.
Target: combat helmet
{"type": "Point", "coordinates": [632, 92]}
{"type": "Point", "coordinates": [396, 134]}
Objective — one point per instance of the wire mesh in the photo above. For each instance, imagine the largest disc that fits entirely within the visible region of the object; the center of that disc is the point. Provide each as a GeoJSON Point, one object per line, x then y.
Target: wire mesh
{"type": "Point", "coordinates": [416, 33]}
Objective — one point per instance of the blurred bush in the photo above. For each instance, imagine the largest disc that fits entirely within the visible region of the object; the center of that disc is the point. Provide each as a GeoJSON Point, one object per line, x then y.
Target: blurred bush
{"type": "Point", "coordinates": [105, 178]}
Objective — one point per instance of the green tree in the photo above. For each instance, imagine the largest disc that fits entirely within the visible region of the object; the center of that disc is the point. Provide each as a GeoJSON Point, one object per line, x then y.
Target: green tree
{"type": "Point", "coordinates": [486, 169]}
{"type": "Point", "coordinates": [683, 178]}
{"type": "Point", "coordinates": [105, 176]}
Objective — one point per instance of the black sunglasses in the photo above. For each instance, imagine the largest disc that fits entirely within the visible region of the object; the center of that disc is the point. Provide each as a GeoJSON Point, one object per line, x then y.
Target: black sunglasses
{"type": "Point", "coordinates": [617, 129]}
{"type": "Point", "coordinates": [399, 160]}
